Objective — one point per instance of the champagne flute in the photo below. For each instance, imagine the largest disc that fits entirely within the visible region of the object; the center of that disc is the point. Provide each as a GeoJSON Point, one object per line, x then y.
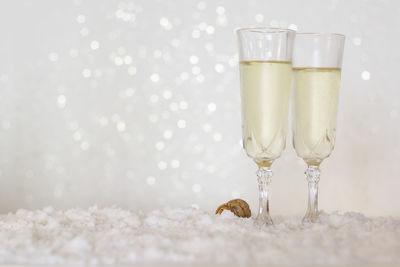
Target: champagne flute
{"type": "Point", "coordinates": [317, 63]}
{"type": "Point", "coordinates": [265, 79]}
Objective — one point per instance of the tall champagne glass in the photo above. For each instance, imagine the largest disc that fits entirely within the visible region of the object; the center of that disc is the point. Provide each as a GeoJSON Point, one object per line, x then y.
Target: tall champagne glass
{"type": "Point", "coordinates": [317, 63]}
{"type": "Point", "coordinates": [265, 80]}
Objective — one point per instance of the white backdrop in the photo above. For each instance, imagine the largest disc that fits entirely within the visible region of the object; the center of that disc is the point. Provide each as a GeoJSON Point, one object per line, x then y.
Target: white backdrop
{"type": "Point", "coordinates": [136, 103]}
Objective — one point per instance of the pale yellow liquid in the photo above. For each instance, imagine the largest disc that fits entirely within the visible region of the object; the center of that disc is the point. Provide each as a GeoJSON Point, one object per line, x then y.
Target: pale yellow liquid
{"type": "Point", "coordinates": [316, 92]}
{"type": "Point", "coordinates": [265, 90]}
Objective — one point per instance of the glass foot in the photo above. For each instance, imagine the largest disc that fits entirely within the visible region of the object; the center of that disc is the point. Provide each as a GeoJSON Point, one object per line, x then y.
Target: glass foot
{"type": "Point", "coordinates": [263, 220]}
{"type": "Point", "coordinates": [311, 218]}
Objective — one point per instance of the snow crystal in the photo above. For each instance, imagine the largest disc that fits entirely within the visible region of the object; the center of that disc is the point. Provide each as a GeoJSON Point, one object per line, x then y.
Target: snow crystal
{"type": "Point", "coordinates": [112, 235]}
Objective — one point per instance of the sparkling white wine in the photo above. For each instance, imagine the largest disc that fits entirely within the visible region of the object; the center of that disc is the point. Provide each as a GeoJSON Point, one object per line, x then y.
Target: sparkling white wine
{"type": "Point", "coordinates": [265, 90]}
{"type": "Point", "coordinates": [316, 92]}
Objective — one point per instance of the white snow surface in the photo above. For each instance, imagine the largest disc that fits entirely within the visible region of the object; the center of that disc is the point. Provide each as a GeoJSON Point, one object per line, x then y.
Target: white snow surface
{"type": "Point", "coordinates": [113, 235]}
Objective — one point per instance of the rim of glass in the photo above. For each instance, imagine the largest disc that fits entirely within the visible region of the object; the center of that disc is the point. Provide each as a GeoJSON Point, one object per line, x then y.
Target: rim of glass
{"type": "Point", "coordinates": [321, 34]}
{"type": "Point", "coordinates": [265, 30]}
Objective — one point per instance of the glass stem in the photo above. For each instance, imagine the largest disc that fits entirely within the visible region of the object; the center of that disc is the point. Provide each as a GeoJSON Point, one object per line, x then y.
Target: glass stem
{"type": "Point", "coordinates": [264, 175]}
{"type": "Point", "coordinates": [312, 214]}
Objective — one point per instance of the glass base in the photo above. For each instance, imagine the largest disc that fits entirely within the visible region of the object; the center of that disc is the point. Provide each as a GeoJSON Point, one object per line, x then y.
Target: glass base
{"type": "Point", "coordinates": [311, 218]}
{"type": "Point", "coordinates": [264, 219]}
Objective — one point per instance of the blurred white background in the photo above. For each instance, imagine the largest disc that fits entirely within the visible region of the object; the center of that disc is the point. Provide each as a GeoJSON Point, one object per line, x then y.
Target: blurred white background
{"type": "Point", "coordinates": [136, 103]}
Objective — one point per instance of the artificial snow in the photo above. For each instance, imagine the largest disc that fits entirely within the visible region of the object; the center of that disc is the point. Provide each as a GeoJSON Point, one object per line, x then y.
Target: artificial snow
{"type": "Point", "coordinates": [113, 235]}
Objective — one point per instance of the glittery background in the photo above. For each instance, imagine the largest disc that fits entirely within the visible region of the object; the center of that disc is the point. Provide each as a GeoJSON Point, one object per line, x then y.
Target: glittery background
{"type": "Point", "coordinates": [136, 103]}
